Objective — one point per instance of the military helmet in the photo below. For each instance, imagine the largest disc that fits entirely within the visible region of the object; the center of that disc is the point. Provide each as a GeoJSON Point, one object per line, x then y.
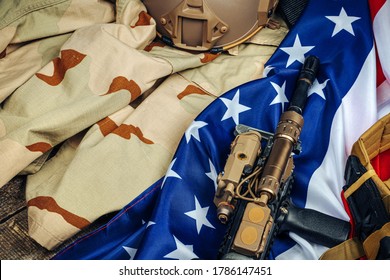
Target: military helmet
{"type": "Point", "coordinates": [203, 25]}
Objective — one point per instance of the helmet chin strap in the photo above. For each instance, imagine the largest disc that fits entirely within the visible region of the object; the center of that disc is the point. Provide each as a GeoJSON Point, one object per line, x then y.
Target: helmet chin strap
{"type": "Point", "coordinates": [290, 10]}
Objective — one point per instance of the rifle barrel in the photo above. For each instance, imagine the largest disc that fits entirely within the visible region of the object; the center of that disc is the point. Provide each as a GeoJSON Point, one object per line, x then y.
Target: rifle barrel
{"type": "Point", "coordinates": [305, 80]}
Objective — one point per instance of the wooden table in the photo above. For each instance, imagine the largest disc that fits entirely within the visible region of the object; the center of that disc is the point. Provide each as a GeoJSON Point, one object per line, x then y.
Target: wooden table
{"type": "Point", "coordinates": [15, 243]}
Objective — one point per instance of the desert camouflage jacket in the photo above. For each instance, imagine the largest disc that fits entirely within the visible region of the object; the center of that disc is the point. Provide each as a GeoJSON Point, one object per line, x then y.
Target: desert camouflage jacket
{"type": "Point", "coordinates": [93, 105]}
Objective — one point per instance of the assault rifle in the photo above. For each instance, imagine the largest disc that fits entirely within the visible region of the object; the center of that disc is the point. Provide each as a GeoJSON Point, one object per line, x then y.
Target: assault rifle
{"type": "Point", "coordinates": [253, 191]}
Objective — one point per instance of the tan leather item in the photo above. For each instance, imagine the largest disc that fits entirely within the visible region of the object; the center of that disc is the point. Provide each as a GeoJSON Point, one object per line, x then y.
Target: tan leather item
{"type": "Point", "coordinates": [373, 142]}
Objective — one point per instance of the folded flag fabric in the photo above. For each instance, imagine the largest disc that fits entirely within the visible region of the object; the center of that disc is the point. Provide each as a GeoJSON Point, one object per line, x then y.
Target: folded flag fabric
{"type": "Point", "coordinates": [380, 13]}
{"type": "Point", "coordinates": [176, 218]}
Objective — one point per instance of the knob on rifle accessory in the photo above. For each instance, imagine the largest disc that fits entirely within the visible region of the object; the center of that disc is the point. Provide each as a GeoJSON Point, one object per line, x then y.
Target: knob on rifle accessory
{"type": "Point", "coordinates": [244, 150]}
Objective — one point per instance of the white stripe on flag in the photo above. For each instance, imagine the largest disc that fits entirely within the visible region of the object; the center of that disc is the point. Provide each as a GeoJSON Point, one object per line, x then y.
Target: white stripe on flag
{"type": "Point", "coordinates": [381, 29]}
{"type": "Point", "coordinates": [383, 97]}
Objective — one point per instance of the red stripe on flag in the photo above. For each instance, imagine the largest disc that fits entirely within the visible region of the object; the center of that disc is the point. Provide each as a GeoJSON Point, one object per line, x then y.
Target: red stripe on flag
{"type": "Point", "coordinates": [381, 165]}
{"type": "Point", "coordinates": [349, 213]}
{"type": "Point", "coordinates": [375, 6]}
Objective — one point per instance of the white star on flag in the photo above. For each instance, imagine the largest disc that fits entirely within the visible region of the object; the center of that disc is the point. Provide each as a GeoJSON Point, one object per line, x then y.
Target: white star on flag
{"type": "Point", "coordinates": [150, 223]}
{"type": "Point", "coordinates": [267, 69]}
{"type": "Point", "coordinates": [342, 22]}
{"type": "Point", "coordinates": [193, 130]}
{"type": "Point", "coordinates": [199, 215]}
{"type": "Point", "coordinates": [130, 251]}
{"type": "Point", "coordinates": [171, 173]}
{"type": "Point", "coordinates": [296, 52]}
{"type": "Point", "coordinates": [318, 88]}
{"type": "Point", "coordinates": [182, 252]}
{"type": "Point", "coordinates": [234, 108]}
{"type": "Point", "coordinates": [213, 175]}
{"type": "Point", "coordinates": [281, 97]}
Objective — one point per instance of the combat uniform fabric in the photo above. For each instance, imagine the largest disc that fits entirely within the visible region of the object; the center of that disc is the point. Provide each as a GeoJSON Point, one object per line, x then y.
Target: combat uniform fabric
{"type": "Point", "coordinates": [113, 103]}
{"type": "Point", "coordinates": [32, 32]}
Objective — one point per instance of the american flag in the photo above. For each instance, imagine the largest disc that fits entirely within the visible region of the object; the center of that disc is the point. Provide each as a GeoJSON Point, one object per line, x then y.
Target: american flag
{"type": "Point", "coordinates": [380, 13]}
{"type": "Point", "coordinates": [176, 219]}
